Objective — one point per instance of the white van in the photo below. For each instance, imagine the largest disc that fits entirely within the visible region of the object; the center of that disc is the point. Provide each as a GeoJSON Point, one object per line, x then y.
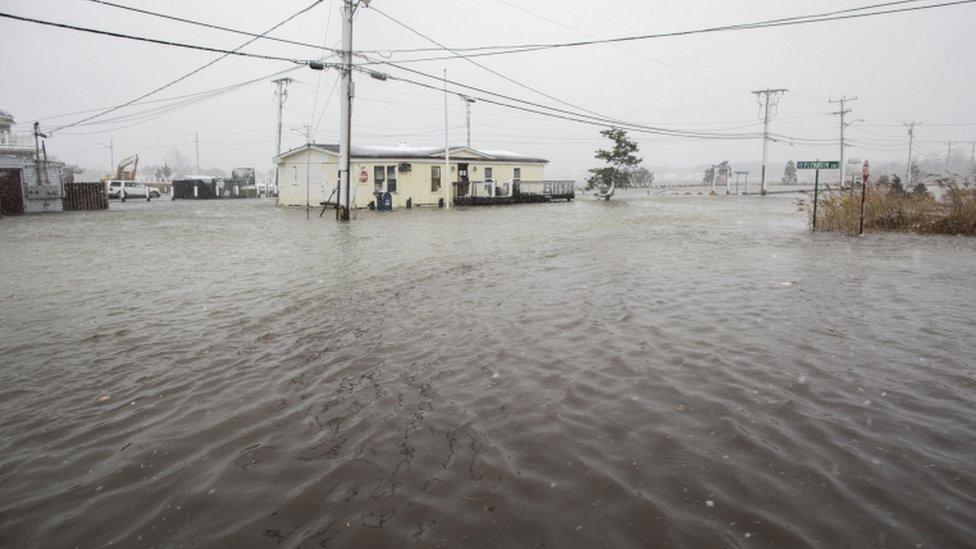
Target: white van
{"type": "Point", "coordinates": [133, 189]}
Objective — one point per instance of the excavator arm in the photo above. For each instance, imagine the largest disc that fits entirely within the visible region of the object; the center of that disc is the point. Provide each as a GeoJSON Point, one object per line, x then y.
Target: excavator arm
{"type": "Point", "coordinates": [123, 174]}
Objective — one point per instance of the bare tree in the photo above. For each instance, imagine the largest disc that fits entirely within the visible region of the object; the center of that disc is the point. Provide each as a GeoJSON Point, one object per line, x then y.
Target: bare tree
{"type": "Point", "coordinates": [178, 163]}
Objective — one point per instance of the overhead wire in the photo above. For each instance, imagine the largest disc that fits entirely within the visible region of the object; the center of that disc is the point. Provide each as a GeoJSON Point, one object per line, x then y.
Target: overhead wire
{"type": "Point", "coordinates": [630, 51]}
{"type": "Point", "coordinates": [596, 119]}
{"type": "Point", "coordinates": [134, 119]}
{"type": "Point", "coordinates": [484, 67]}
{"type": "Point", "coordinates": [207, 25]}
{"type": "Point", "coordinates": [483, 51]}
{"type": "Point", "coordinates": [192, 72]}
{"type": "Point", "coordinates": [152, 40]}
{"type": "Point", "coordinates": [318, 80]}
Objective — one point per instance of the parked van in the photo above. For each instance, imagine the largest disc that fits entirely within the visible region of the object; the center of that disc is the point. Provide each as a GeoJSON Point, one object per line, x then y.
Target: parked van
{"type": "Point", "coordinates": [133, 189]}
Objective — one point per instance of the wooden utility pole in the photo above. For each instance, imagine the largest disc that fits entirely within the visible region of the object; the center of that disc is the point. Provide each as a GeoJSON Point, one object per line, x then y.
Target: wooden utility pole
{"type": "Point", "coordinates": [843, 144]}
{"type": "Point", "coordinates": [948, 159]}
{"type": "Point", "coordinates": [911, 143]}
{"type": "Point", "coordinates": [345, 112]}
{"type": "Point", "coordinates": [282, 95]}
{"type": "Point", "coordinates": [768, 96]}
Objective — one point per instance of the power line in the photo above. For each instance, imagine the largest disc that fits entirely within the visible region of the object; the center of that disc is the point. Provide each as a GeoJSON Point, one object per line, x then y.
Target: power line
{"type": "Point", "coordinates": [151, 40]}
{"type": "Point", "coordinates": [318, 81]}
{"type": "Point", "coordinates": [190, 100]}
{"type": "Point", "coordinates": [575, 117]}
{"type": "Point", "coordinates": [484, 67]}
{"type": "Point", "coordinates": [208, 25]}
{"type": "Point", "coordinates": [556, 112]}
{"type": "Point", "coordinates": [166, 99]}
{"type": "Point", "coordinates": [598, 120]}
{"type": "Point", "coordinates": [788, 21]}
{"type": "Point", "coordinates": [191, 73]}
{"type": "Point", "coordinates": [632, 52]}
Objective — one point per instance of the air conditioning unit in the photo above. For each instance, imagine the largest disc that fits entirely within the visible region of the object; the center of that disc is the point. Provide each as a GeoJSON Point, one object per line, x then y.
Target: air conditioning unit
{"type": "Point", "coordinates": [404, 168]}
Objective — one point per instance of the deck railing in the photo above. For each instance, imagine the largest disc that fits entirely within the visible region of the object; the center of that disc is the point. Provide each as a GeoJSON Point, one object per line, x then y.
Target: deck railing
{"type": "Point", "coordinates": [500, 189]}
{"type": "Point", "coordinates": [16, 143]}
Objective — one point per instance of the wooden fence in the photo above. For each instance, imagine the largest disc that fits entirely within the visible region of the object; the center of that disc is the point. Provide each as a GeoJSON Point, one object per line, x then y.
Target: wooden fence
{"type": "Point", "coordinates": [85, 197]}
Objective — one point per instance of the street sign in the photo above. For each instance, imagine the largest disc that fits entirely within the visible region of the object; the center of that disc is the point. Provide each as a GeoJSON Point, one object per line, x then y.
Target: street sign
{"type": "Point", "coordinates": [818, 165]}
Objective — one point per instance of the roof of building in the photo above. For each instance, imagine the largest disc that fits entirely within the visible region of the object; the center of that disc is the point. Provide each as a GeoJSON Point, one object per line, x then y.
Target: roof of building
{"type": "Point", "coordinates": [5, 114]}
{"type": "Point", "coordinates": [420, 153]}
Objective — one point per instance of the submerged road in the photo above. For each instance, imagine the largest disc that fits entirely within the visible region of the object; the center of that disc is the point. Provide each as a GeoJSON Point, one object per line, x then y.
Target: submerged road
{"type": "Point", "coordinates": [652, 371]}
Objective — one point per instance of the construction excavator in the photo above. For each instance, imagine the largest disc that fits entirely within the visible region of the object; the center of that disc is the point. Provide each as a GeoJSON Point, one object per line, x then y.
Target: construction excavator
{"type": "Point", "coordinates": [126, 170]}
{"type": "Point", "coordinates": [122, 171]}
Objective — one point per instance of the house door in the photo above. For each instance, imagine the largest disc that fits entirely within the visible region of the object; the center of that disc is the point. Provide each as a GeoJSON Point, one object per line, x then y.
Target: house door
{"type": "Point", "coordinates": [463, 181]}
{"type": "Point", "coordinates": [11, 193]}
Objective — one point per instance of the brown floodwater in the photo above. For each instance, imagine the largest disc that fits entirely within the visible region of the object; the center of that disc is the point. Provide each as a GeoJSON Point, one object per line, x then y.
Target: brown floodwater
{"type": "Point", "coordinates": [654, 371]}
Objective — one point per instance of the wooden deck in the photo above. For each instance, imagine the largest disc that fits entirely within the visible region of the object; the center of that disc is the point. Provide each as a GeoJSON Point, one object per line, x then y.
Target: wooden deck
{"type": "Point", "coordinates": [525, 192]}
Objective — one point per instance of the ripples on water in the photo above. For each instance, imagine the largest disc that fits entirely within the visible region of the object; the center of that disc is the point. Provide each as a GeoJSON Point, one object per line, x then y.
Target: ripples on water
{"type": "Point", "coordinates": [647, 372]}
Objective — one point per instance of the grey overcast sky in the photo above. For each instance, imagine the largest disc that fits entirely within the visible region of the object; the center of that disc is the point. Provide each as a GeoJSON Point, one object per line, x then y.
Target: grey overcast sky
{"type": "Point", "coordinates": [915, 66]}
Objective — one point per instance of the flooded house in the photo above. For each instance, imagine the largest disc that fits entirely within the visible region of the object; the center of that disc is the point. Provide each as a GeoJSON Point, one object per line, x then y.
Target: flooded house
{"type": "Point", "coordinates": [412, 176]}
{"type": "Point", "coordinates": [28, 184]}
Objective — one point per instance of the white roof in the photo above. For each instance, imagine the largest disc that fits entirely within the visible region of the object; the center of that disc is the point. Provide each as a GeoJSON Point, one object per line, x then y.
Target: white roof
{"type": "Point", "coordinates": [419, 153]}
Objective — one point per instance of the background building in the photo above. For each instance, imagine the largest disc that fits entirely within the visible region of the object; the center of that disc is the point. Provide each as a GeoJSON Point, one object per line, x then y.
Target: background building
{"type": "Point", "coordinates": [26, 186]}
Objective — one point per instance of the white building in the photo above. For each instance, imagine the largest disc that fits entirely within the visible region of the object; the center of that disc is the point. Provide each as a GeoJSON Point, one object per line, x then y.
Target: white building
{"type": "Point", "coordinates": [310, 173]}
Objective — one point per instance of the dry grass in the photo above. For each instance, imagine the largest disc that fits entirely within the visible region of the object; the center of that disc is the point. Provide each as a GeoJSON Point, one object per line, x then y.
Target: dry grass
{"type": "Point", "coordinates": [888, 210]}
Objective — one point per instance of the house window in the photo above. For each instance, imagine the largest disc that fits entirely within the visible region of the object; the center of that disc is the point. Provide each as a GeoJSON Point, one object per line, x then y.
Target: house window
{"type": "Point", "coordinates": [488, 173]}
{"type": "Point", "coordinates": [517, 174]}
{"type": "Point", "coordinates": [379, 176]}
{"type": "Point", "coordinates": [294, 175]}
{"type": "Point", "coordinates": [435, 179]}
{"type": "Point", "coordinates": [391, 179]}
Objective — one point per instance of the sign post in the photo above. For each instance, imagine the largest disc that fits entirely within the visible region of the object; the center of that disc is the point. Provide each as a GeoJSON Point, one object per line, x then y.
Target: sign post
{"type": "Point", "coordinates": [816, 197]}
{"type": "Point", "coordinates": [865, 173]}
{"type": "Point", "coordinates": [817, 165]}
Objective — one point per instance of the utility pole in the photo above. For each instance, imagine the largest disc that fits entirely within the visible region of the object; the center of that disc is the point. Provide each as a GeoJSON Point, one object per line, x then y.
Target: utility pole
{"type": "Point", "coordinates": [111, 149]}
{"type": "Point", "coordinates": [972, 162]}
{"type": "Point", "coordinates": [911, 143]}
{"type": "Point", "coordinates": [467, 112]}
{"type": "Point", "coordinates": [196, 141]}
{"type": "Point", "coordinates": [948, 158]}
{"type": "Point", "coordinates": [308, 169]}
{"type": "Point", "coordinates": [345, 111]}
{"type": "Point", "coordinates": [843, 144]}
{"type": "Point", "coordinates": [768, 95]}
{"type": "Point", "coordinates": [446, 182]}
{"type": "Point", "coordinates": [282, 95]}
{"type": "Point", "coordinates": [37, 152]}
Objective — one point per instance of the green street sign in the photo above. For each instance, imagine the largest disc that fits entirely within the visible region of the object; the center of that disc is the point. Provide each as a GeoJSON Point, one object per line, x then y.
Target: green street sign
{"type": "Point", "coordinates": [818, 165]}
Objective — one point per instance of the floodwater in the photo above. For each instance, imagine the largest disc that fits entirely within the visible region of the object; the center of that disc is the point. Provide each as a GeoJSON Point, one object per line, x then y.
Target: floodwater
{"type": "Point", "coordinates": [654, 371]}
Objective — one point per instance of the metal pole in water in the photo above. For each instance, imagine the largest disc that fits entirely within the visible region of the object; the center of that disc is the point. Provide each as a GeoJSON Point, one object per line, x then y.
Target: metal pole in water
{"type": "Point", "coordinates": [816, 193]}
{"type": "Point", "coordinates": [864, 191]}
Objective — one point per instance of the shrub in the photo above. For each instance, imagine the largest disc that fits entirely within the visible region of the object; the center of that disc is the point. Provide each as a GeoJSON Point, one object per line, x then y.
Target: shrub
{"type": "Point", "coordinates": [887, 209]}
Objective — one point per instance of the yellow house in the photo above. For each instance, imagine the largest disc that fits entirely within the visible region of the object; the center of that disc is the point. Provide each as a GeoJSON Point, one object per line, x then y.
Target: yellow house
{"type": "Point", "coordinates": [310, 173]}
